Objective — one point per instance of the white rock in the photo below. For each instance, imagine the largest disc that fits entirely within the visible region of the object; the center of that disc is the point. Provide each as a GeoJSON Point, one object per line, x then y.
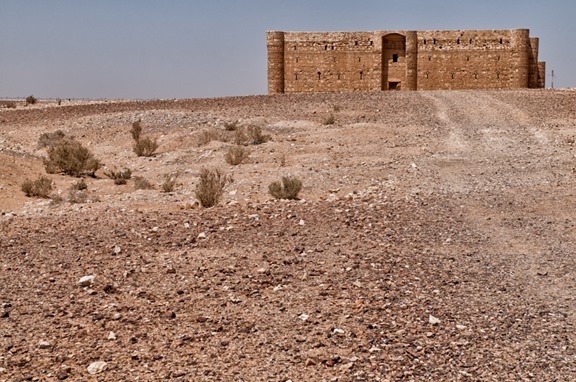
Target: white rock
{"type": "Point", "coordinates": [303, 316]}
{"type": "Point", "coordinates": [2, 370]}
{"type": "Point", "coordinates": [97, 367]}
{"type": "Point", "coordinates": [111, 336]}
{"type": "Point", "coordinates": [117, 249]}
{"type": "Point", "coordinates": [86, 280]}
{"type": "Point", "coordinates": [186, 225]}
{"type": "Point", "coordinates": [202, 235]}
{"type": "Point", "coordinates": [460, 327]}
{"type": "Point", "coordinates": [433, 320]}
{"type": "Point", "coordinates": [338, 331]}
{"type": "Point", "coordinates": [43, 344]}
{"type": "Point", "coordinates": [301, 222]}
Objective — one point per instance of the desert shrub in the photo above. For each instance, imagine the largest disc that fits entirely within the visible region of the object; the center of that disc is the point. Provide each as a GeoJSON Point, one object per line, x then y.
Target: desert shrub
{"type": "Point", "coordinates": [145, 147]}
{"type": "Point", "coordinates": [336, 108]}
{"type": "Point", "coordinates": [252, 135]}
{"type": "Point", "coordinates": [169, 184]}
{"type": "Point", "coordinates": [51, 139]}
{"type": "Point", "coordinates": [136, 130]}
{"type": "Point", "coordinates": [8, 104]}
{"type": "Point", "coordinates": [231, 126]}
{"type": "Point", "coordinates": [141, 183]}
{"type": "Point", "coordinates": [80, 185]}
{"type": "Point", "coordinates": [56, 199]}
{"type": "Point", "coordinates": [330, 120]}
{"type": "Point", "coordinates": [241, 137]}
{"type": "Point", "coordinates": [207, 136]}
{"type": "Point", "coordinates": [210, 188]}
{"type": "Point", "coordinates": [71, 158]}
{"type": "Point", "coordinates": [40, 187]}
{"type": "Point", "coordinates": [288, 188]}
{"type": "Point", "coordinates": [59, 101]}
{"type": "Point", "coordinates": [77, 196]}
{"type": "Point", "coordinates": [236, 155]}
{"type": "Point", "coordinates": [31, 100]}
{"type": "Point", "coordinates": [256, 136]}
{"type": "Point", "coordinates": [119, 177]}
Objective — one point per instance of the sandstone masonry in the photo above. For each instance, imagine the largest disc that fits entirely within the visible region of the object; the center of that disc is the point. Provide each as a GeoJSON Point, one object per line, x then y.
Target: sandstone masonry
{"type": "Point", "coordinates": [402, 60]}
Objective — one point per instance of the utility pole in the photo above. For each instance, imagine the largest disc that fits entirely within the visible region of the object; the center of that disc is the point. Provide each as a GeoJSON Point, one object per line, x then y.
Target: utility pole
{"type": "Point", "coordinates": [552, 78]}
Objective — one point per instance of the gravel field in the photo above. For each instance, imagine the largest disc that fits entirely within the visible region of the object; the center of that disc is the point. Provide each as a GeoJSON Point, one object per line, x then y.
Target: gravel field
{"type": "Point", "coordinates": [433, 240]}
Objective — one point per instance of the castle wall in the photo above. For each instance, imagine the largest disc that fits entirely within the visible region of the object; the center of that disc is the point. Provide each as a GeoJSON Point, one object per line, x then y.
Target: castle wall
{"type": "Point", "coordinates": [403, 60]}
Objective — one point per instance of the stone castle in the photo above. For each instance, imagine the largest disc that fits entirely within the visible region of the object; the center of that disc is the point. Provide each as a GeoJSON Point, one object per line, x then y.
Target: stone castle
{"type": "Point", "coordinates": [402, 60]}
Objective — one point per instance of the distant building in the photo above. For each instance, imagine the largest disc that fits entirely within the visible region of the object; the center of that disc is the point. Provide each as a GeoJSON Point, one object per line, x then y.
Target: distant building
{"type": "Point", "coordinates": [402, 60]}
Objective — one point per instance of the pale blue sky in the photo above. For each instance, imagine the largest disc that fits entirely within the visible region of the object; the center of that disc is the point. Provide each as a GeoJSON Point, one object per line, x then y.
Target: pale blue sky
{"type": "Point", "coordinates": [211, 48]}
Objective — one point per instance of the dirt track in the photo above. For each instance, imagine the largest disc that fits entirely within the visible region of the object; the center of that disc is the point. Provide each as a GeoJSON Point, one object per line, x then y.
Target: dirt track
{"type": "Point", "coordinates": [455, 205]}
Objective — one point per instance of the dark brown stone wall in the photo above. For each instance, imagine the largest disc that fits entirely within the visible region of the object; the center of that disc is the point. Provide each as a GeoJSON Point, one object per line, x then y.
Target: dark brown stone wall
{"type": "Point", "coordinates": [402, 60]}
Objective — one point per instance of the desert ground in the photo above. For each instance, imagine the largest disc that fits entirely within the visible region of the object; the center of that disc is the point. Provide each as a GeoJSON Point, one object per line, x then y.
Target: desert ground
{"type": "Point", "coordinates": [433, 240]}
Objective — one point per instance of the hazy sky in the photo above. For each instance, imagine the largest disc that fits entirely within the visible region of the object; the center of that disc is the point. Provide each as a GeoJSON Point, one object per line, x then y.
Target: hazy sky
{"type": "Point", "coordinates": [211, 48]}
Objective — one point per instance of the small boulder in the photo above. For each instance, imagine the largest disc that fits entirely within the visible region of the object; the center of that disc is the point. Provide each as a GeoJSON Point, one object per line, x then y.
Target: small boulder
{"type": "Point", "coordinates": [86, 281]}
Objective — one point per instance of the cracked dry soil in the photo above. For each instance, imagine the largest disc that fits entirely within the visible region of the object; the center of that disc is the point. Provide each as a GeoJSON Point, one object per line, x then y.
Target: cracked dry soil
{"type": "Point", "coordinates": [434, 241]}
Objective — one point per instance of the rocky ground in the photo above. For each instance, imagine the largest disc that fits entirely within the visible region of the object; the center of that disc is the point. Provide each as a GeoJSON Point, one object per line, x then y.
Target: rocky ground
{"type": "Point", "coordinates": [433, 241]}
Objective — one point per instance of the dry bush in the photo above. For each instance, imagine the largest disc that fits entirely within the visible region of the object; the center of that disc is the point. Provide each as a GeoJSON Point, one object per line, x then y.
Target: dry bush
{"type": "Point", "coordinates": [77, 196]}
{"type": "Point", "coordinates": [252, 135]}
{"type": "Point", "coordinates": [71, 158]}
{"type": "Point", "coordinates": [256, 136]}
{"type": "Point", "coordinates": [169, 184]}
{"type": "Point", "coordinates": [231, 126]}
{"type": "Point", "coordinates": [210, 188]}
{"type": "Point", "coordinates": [141, 183]}
{"type": "Point", "coordinates": [40, 187]}
{"type": "Point", "coordinates": [136, 130]}
{"type": "Point", "coordinates": [330, 120]}
{"type": "Point", "coordinates": [31, 100]}
{"type": "Point", "coordinates": [145, 147]}
{"type": "Point", "coordinates": [8, 104]}
{"type": "Point", "coordinates": [119, 177]}
{"type": "Point", "coordinates": [80, 185]}
{"type": "Point", "coordinates": [336, 108]}
{"type": "Point", "coordinates": [51, 139]}
{"type": "Point", "coordinates": [236, 155]}
{"type": "Point", "coordinates": [288, 188]}
{"type": "Point", "coordinates": [207, 136]}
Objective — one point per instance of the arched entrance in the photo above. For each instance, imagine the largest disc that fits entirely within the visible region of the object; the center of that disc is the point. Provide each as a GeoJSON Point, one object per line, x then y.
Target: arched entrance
{"type": "Point", "coordinates": [393, 61]}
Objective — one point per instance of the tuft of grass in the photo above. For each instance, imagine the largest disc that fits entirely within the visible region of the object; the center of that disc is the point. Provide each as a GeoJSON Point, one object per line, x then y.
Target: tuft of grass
{"type": "Point", "coordinates": [51, 139]}
{"type": "Point", "coordinates": [119, 177]}
{"type": "Point", "coordinates": [31, 100]}
{"type": "Point", "coordinates": [236, 155]}
{"type": "Point", "coordinates": [141, 183]}
{"type": "Point", "coordinates": [136, 130]}
{"type": "Point", "coordinates": [288, 188]}
{"type": "Point", "coordinates": [212, 134]}
{"type": "Point", "coordinates": [330, 120]}
{"type": "Point", "coordinates": [231, 126]}
{"type": "Point", "coordinates": [77, 196]}
{"type": "Point", "coordinates": [80, 185]}
{"type": "Point", "coordinates": [252, 135]}
{"type": "Point", "coordinates": [8, 104]}
{"type": "Point", "coordinates": [71, 158]}
{"type": "Point", "coordinates": [169, 184]}
{"type": "Point", "coordinates": [210, 188]}
{"type": "Point", "coordinates": [145, 147]}
{"type": "Point", "coordinates": [40, 187]}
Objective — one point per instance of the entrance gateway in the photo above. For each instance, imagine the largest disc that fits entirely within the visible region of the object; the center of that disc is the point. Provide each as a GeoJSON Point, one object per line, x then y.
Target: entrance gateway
{"type": "Point", "coordinates": [393, 61]}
